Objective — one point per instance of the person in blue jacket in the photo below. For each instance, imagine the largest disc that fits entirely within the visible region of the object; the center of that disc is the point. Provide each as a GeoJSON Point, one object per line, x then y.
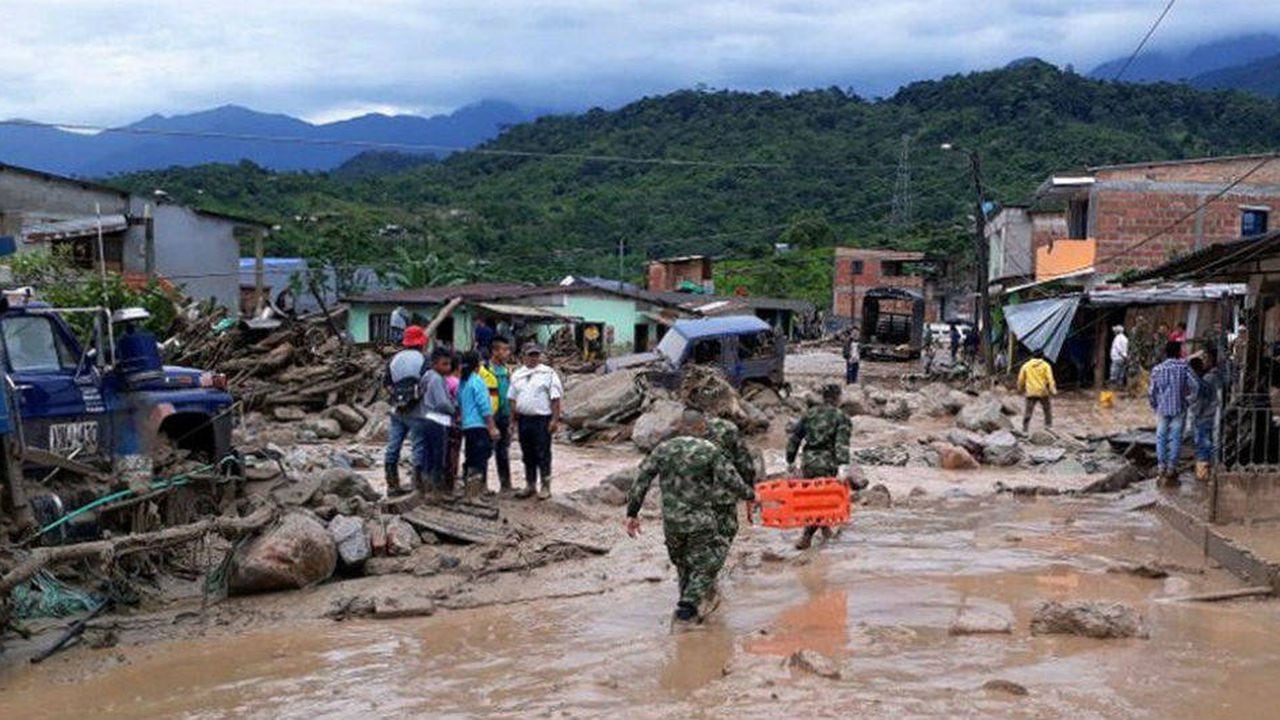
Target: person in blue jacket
{"type": "Point", "coordinates": [479, 430]}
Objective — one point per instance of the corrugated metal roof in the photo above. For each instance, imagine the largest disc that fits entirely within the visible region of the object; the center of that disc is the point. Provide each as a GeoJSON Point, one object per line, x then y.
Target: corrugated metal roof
{"type": "Point", "coordinates": [719, 326]}
{"type": "Point", "coordinates": [83, 226]}
{"type": "Point", "coordinates": [528, 311]}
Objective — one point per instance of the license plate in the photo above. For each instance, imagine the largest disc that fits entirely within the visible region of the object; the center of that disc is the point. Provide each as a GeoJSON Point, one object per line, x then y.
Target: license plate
{"type": "Point", "coordinates": [77, 437]}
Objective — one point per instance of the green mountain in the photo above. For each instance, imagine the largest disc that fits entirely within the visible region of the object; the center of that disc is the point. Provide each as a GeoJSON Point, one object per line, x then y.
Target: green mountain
{"type": "Point", "coordinates": [1261, 77]}
{"type": "Point", "coordinates": [814, 168]}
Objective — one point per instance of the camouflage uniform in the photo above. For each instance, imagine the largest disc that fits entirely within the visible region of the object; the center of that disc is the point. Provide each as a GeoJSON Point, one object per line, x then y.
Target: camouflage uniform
{"type": "Point", "coordinates": [824, 431]}
{"type": "Point", "coordinates": [726, 436]}
{"type": "Point", "coordinates": [694, 474]}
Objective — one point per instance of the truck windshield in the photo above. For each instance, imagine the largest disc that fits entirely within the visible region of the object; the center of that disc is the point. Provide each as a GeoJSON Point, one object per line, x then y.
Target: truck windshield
{"type": "Point", "coordinates": [31, 345]}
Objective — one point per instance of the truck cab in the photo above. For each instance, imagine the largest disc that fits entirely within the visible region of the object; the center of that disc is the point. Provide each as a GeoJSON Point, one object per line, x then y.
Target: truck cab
{"type": "Point", "coordinates": [111, 406]}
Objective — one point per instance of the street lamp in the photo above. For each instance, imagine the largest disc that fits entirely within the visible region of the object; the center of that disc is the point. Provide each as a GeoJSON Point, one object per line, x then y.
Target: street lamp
{"type": "Point", "coordinates": [980, 241]}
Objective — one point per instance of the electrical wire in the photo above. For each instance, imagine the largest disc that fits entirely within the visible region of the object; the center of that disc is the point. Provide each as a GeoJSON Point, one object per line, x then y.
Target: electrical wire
{"type": "Point", "coordinates": [1134, 55]}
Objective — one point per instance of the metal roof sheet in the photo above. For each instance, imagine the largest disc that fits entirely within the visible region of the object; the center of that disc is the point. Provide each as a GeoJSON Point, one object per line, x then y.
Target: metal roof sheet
{"type": "Point", "coordinates": [83, 226]}
{"type": "Point", "coordinates": [731, 324]}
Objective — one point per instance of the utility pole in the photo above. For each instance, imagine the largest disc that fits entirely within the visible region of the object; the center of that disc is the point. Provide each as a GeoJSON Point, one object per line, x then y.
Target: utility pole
{"type": "Point", "coordinates": [983, 270]}
{"type": "Point", "coordinates": [900, 215]}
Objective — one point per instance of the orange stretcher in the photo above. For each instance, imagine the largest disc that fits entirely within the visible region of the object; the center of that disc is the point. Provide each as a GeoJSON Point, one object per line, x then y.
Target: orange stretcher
{"type": "Point", "coordinates": [799, 503]}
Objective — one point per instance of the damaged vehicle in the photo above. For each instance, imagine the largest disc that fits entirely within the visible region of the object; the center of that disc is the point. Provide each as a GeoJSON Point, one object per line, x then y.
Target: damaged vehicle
{"type": "Point", "coordinates": [80, 422]}
{"type": "Point", "coordinates": [892, 324]}
{"type": "Point", "coordinates": [743, 347]}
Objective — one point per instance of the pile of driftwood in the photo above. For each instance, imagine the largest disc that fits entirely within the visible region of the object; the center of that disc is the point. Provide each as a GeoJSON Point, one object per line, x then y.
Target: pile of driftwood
{"type": "Point", "coordinates": [293, 361]}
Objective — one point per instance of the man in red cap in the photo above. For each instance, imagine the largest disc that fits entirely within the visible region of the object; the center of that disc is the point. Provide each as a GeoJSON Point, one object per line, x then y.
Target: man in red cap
{"type": "Point", "coordinates": [402, 380]}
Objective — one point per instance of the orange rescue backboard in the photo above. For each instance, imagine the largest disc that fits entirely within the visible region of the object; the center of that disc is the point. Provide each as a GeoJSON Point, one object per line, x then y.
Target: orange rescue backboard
{"type": "Point", "coordinates": [800, 503]}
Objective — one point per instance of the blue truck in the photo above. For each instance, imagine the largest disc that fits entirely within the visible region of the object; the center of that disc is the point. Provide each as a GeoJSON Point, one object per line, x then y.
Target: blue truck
{"type": "Point", "coordinates": [88, 419]}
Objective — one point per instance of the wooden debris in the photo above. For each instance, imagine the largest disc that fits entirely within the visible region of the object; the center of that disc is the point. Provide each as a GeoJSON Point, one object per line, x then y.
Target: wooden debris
{"type": "Point", "coordinates": [453, 523]}
{"type": "Point", "coordinates": [1257, 591]}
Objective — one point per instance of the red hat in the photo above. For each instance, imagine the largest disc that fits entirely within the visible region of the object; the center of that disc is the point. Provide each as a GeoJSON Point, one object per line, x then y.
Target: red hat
{"type": "Point", "coordinates": [414, 336]}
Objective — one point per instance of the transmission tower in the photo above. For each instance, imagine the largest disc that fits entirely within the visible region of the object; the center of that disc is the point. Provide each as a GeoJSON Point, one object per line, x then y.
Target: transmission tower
{"type": "Point", "coordinates": [900, 215]}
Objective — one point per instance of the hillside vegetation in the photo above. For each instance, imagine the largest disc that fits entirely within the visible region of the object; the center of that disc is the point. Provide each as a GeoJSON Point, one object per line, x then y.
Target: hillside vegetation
{"type": "Point", "coordinates": [814, 168]}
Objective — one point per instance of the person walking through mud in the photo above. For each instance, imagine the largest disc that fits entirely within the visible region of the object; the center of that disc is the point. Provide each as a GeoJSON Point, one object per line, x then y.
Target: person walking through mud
{"type": "Point", "coordinates": [1036, 383]}
{"type": "Point", "coordinates": [852, 359]}
{"type": "Point", "coordinates": [478, 427]}
{"type": "Point", "coordinates": [1173, 384]}
{"type": "Point", "coordinates": [727, 437]}
{"type": "Point", "coordinates": [401, 379]}
{"type": "Point", "coordinates": [535, 403]}
{"type": "Point", "coordinates": [693, 473]}
{"type": "Point", "coordinates": [824, 433]}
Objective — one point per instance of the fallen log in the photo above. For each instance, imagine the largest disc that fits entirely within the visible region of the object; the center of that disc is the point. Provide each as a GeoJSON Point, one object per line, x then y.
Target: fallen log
{"type": "Point", "coordinates": [106, 550]}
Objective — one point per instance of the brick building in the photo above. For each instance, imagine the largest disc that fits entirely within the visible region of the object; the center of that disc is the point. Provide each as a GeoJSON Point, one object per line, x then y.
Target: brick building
{"type": "Point", "coordinates": [858, 270]}
{"type": "Point", "coordinates": [1112, 210]}
{"type": "Point", "coordinates": [680, 273]}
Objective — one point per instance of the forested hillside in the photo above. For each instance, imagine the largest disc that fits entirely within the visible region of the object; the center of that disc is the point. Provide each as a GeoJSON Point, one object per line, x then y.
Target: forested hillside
{"type": "Point", "coordinates": [814, 168]}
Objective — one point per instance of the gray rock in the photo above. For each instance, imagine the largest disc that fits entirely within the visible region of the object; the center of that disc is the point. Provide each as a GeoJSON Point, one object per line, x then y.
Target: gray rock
{"type": "Point", "coordinates": [953, 401]}
{"type": "Point", "coordinates": [893, 455]}
{"type": "Point", "coordinates": [352, 542]}
{"type": "Point", "coordinates": [853, 400]}
{"type": "Point", "coordinates": [1098, 620]}
{"type": "Point", "coordinates": [1046, 455]}
{"type": "Point", "coordinates": [983, 416]}
{"type": "Point", "coordinates": [387, 607]}
{"type": "Point", "coordinates": [876, 496]}
{"type": "Point", "coordinates": [623, 479]}
{"type": "Point", "coordinates": [297, 491]}
{"type": "Point", "coordinates": [1001, 449]}
{"type": "Point", "coordinates": [954, 457]}
{"type": "Point", "coordinates": [967, 439]}
{"type": "Point", "coordinates": [1069, 467]}
{"type": "Point", "coordinates": [288, 413]}
{"type": "Point", "coordinates": [598, 396]}
{"type": "Point", "coordinates": [814, 662]}
{"type": "Point", "coordinates": [1012, 405]}
{"type": "Point", "coordinates": [660, 422]}
{"type": "Point", "coordinates": [402, 539]}
{"type": "Point", "coordinates": [322, 428]}
{"type": "Point", "coordinates": [347, 417]}
{"type": "Point", "coordinates": [346, 483]}
{"type": "Point", "coordinates": [295, 553]}
{"type": "Point", "coordinates": [897, 409]}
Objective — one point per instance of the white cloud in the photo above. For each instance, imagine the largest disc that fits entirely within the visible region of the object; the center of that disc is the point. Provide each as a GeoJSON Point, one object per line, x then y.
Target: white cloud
{"type": "Point", "coordinates": [105, 61]}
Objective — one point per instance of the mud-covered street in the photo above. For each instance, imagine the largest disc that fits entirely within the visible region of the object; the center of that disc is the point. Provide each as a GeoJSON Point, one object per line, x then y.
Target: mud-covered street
{"type": "Point", "coordinates": [921, 607]}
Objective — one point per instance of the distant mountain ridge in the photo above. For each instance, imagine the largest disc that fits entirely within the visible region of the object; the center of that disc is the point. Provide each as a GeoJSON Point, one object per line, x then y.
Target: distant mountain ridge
{"type": "Point", "coordinates": [1187, 63]}
{"type": "Point", "coordinates": [1260, 77]}
{"type": "Point", "coordinates": [107, 153]}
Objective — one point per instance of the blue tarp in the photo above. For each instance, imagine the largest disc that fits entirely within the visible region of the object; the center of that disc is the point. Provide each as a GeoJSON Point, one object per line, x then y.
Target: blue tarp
{"type": "Point", "coordinates": [1043, 324]}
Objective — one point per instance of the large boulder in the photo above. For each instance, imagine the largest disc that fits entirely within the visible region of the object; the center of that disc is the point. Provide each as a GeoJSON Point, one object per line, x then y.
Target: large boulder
{"type": "Point", "coordinates": [346, 483]}
{"type": "Point", "coordinates": [295, 553]}
{"type": "Point", "coordinates": [596, 397]}
{"type": "Point", "coordinates": [1001, 449]}
{"type": "Point", "coordinates": [967, 439]}
{"type": "Point", "coordinates": [323, 428]}
{"type": "Point", "coordinates": [983, 416]}
{"type": "Point", "coordinates": [298, 491]}
{"type": "Point", "coordinates": [1092, 619]}
{"type": "Point", "coordinates": [660, 422]}
{"type": "Point", "coordinates": [402, 539]}
{"type": "Point", "coordinates": [347, 417]}
{"type": "Point", "coordinates": [623, 479]}
{"type": "Point", "coordinates": [953, 457]}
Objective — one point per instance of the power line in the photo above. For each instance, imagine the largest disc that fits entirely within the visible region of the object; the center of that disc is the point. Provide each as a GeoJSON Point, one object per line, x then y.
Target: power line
{"type": "Point", "coordinates": [429, 147]}
{"type": "Point", "coordinates": [1143, 43]}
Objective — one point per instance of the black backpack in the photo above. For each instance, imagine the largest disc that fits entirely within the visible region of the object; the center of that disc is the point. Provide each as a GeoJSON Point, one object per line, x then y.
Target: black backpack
{"type": "Point", "coordinates": [406, 392]}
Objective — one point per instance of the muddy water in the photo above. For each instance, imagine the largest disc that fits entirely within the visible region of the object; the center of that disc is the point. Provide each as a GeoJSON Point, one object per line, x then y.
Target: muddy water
{"type": "Point", "coordinates": [878, 600]}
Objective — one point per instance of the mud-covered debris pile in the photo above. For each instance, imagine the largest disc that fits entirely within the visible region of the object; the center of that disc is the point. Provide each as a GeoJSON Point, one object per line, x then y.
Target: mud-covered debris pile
{"type": "Point", "coordinates": [299, 362]}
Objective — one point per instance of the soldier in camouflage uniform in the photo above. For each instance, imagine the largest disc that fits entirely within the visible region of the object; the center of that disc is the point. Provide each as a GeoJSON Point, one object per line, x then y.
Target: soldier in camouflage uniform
{"type": "Point", "coordinates": [824, 432]}
{"type": "Point", "coordinates": [726, 436]}
{"type": "Point", "coordinates": [694, 476]}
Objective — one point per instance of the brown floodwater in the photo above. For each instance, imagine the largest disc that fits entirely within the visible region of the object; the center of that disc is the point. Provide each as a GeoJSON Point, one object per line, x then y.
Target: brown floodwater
{"type": "Point", "coordinates": [878, 601]}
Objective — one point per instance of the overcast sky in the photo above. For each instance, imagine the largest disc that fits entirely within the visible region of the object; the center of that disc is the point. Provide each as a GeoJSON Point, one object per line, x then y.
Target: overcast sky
{"type": "Point", "coordinates": [106, 61]}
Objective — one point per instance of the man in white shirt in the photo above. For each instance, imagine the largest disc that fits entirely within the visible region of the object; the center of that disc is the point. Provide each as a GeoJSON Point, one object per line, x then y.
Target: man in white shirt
{"type": "Point", "coordinates": [1119, 358]}
{"type": "Point", "coordinates": [535, 406]}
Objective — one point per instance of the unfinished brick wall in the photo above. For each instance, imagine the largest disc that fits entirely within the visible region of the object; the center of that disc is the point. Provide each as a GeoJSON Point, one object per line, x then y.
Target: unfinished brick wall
{"type": "Point", "coordinates": [850, 287]}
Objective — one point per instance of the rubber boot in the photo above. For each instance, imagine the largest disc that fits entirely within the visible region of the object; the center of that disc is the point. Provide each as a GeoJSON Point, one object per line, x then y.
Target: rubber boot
{"type": "Point", "coordinates": [392, 473]}
{"type": "Point", "coordinates": [474, 486]}
{"type": "Point", "coordinates": [806, 540]}
{"type": "Point", "coordinates": [531, 487]}
{"type": "Point", "coordinates": [544, 491]}
{"type": "Point", "coordinates": [420, 483]}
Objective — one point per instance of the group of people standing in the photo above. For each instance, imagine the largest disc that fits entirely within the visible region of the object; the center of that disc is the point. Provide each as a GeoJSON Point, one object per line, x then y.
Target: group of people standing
{"type": "Point", "coordinates": [459, 410]}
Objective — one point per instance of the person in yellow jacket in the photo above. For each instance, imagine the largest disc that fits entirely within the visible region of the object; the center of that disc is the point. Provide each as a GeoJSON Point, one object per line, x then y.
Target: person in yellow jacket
{"type": "Point", "coordinates": [1035, 381]}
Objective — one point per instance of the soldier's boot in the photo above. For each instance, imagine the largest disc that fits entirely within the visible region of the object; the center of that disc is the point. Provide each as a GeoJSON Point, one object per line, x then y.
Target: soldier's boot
{"type": "Point", "coordinates": [544, 490]}
{"type": "Point", "coordinates": [826, 534]}
{"type": "Point", "coordinates": [392, 473]}
{"type": "Point", "coordinates": [806, 540]}
{"type": "Point", "coordinates": [685, 613]}
{"type": "Point", "coordinates": [709, 603]}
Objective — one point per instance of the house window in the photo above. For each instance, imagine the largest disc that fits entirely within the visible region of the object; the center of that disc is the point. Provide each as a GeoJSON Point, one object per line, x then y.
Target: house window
{"type": "Point", "coordinates": [1253, 221]}
{"type": "Point", "coordinates": [855, 267]}
{"type": "Point", "coordinates": [379, 327]}
{"type": "Point", "coordinates": [1078, 220]}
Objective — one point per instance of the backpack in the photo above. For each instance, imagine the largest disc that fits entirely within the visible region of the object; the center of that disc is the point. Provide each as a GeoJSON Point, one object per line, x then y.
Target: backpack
{"type": "Point", "coordinates": [405, 393]}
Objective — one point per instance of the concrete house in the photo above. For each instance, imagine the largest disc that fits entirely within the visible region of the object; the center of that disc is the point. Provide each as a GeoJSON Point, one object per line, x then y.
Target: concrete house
{"type": "Point", "coordinates": [1135, 216]}
{"type": "Point", "coordinates": [687, 273]}
{"type": "Point", "coordinates": [196, 250]}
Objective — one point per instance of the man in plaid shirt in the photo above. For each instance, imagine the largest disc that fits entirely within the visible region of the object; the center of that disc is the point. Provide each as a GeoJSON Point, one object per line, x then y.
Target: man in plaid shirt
{"type": "Point", "coordinates": [1173, 384]}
